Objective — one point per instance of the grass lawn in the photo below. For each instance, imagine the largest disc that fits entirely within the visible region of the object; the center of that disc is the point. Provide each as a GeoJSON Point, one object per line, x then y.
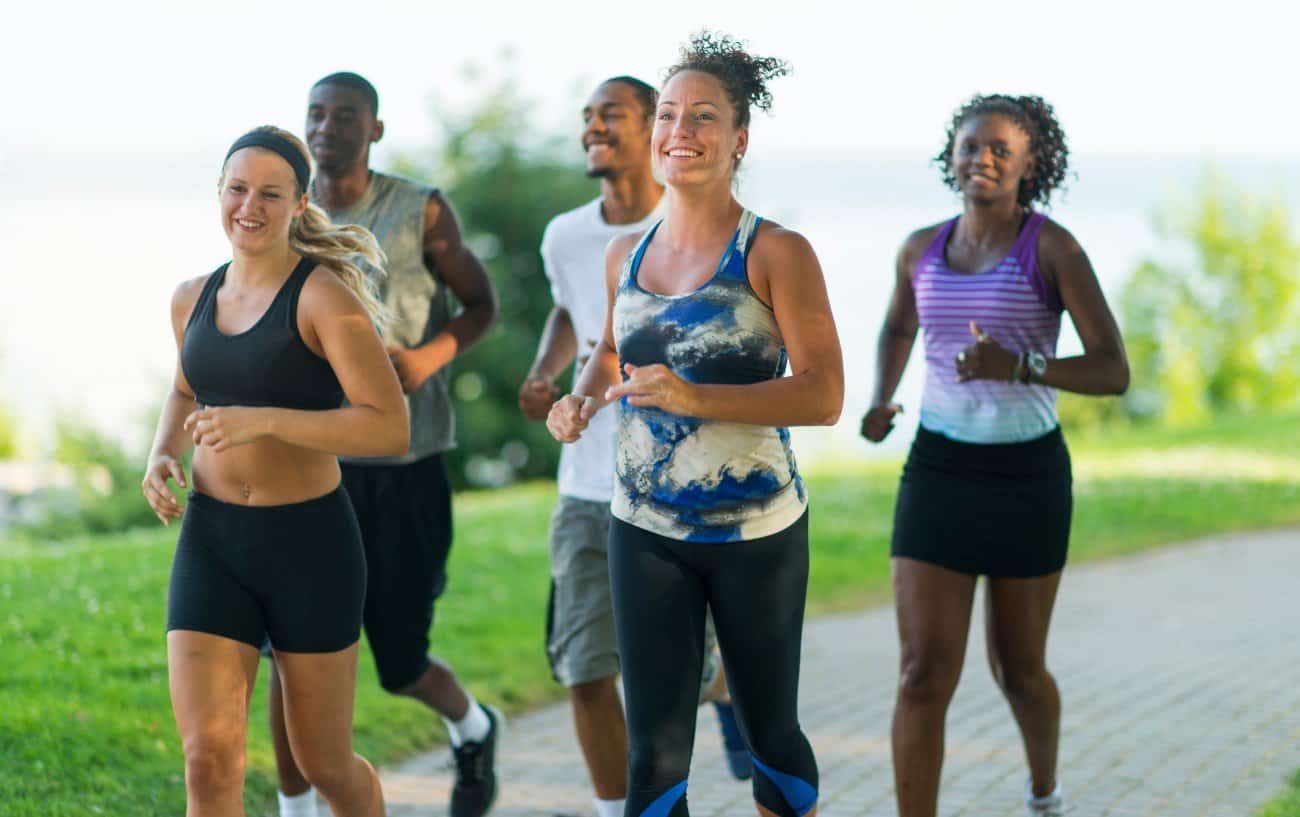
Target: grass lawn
{"type": "Point", "coordinates": [85, 721]}
{"type": "Point", "coordinates": [1286, 804]}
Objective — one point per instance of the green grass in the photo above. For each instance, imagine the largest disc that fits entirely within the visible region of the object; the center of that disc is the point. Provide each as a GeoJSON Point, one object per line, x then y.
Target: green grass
{"type": "Point", "coordinates": [85, 721]}
{"type": "Point", "coordinates": [1286, 804]}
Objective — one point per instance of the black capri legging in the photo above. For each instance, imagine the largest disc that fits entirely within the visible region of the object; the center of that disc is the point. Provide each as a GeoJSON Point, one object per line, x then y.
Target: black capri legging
{"type": "Point", "coordinates": [756, 591]}
{"type": "Point", "coordinates": [295, 573]}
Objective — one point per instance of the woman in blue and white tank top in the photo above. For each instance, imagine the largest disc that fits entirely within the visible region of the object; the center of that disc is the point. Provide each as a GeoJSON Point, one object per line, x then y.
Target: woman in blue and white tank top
{"type": "Point", "coordinates": [987, 486]}
{"type": "Point", "coordinates": [707, 310]}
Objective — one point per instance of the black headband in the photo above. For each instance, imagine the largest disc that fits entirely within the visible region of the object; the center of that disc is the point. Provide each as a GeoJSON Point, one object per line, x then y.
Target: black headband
{"type": "Point", "coordinates": [281, 147]}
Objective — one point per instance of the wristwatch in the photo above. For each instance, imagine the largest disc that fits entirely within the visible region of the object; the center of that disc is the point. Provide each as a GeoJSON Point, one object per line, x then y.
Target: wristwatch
{"type": "Point", "coordinates": [1035, 366]}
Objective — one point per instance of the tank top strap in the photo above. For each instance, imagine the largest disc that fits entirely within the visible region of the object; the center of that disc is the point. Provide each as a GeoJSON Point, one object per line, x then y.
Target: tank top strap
{"type": "Point", "coordinates": [203, 306]}
{"type": "Point", "coordinates": [746, 231]}
{"type": "Point", "coordinates": [1026, 246]}
{"type": "Point", "coordinates": [732, 265]}
{"type": "Point", "coordinates": [935, 251]}
{"type": "Point", "coordinates": [1026, 253]}
{"type": "Point", "coordinates": [633, 261]}
{"type": "Point", "coordinates": [286, 300]}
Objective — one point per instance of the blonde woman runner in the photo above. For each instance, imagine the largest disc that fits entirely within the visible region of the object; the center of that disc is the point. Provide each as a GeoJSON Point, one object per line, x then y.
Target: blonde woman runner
{"type": "Point", "coordinates": [269, 346]}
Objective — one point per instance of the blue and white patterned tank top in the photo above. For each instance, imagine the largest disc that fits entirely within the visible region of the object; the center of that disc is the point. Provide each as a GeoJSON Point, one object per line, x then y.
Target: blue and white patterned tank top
{"type": "Point", "coordinates": [684, 477]}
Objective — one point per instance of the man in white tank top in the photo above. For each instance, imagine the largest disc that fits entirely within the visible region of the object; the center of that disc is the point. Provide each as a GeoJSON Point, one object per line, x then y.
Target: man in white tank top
{"type": "Point", "coordinates": [581, 644]}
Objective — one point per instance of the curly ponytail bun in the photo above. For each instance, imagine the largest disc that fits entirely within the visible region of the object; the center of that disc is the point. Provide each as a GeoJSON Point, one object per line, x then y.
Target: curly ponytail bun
{"type": "Point", "coordinates": [744, 76]}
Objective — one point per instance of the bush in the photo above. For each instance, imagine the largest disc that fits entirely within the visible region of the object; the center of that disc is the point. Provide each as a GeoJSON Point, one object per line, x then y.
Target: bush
{"type": "Point", "coordinates": [8, 435]}
{"type": "Point", "coordinates": [108, 494]}
{"type": "Point", "coordinates": [506, 185]}
{"type": "Point", "coordinates": [1215, 330]}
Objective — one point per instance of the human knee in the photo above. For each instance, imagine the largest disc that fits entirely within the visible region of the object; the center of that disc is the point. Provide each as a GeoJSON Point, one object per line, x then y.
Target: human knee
{"type": "Point", "coordinates": [928, 678]}
{"type": "Point", "coordinates": [329, 773]}
{"type": "Point", "coordinates": [214, 763]}
{"type": "Point", "coordinates": [782, 744]}
{"type": "Point", "coordinates": [592, 693]}
{"type": "Point", "coordinates": [657, 765]}
{"type": "Point", "coordinates": [407, 683]}
{"type": "Point", "coordinates": [1021, 680]}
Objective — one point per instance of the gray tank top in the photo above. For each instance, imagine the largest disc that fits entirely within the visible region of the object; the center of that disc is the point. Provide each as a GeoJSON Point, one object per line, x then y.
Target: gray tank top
{"type": "Point", "coordinates": [393, 209]}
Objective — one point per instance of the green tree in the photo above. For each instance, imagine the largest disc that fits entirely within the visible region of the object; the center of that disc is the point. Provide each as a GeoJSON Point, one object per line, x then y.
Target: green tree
{"type": "Point", "coordinates": [506, 183]}
{"type": "Point", "coordinates": [1216, 328]}
{"type": "Point", "coordinates": [8, 435]}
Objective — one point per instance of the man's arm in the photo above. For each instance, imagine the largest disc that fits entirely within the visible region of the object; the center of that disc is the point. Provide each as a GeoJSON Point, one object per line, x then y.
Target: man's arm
{"type": "Point", "coordinates": [445, 251]}
{"type": "Point", "coordinates": [555, 352]}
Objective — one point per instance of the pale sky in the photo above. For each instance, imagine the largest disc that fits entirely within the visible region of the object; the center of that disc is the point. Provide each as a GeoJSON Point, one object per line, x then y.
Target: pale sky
{"type": "Point", "coordinates": [118, 115]}
{"type": "Point", "coordinates": [140, 78]}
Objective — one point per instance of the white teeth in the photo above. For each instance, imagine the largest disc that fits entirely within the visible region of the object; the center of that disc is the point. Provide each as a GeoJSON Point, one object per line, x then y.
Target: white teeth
{"type": "Point", "coordinates": [685, 154]}
{"type": "Point", "coordinates": [248, 225]}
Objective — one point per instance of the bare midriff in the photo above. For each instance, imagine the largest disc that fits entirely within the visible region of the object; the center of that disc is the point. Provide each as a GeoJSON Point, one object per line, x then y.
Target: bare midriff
{"type": "Point", "coordinates": [265, 472]}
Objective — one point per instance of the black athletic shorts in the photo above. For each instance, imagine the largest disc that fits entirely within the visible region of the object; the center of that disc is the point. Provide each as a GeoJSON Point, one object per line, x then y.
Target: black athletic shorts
{"type": "Point", "coordinates": [404, 512]}
{"type": "Point", "coordinates": [998, 510]}
{"type": "Point", "coordinates": [293, 573]}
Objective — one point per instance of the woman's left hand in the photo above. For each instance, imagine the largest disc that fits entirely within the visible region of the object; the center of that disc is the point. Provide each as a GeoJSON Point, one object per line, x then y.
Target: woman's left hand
{"type": "Point", "coordinates": [225, 426]}
{"type": "Point", "coordinates": [985, 359]}
{"type": "Point", "coordinates": [655, 386]}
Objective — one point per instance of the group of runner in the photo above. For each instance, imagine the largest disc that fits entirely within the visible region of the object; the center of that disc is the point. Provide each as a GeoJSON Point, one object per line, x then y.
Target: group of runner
{"type": "Point", "coordinates": [320, 505]}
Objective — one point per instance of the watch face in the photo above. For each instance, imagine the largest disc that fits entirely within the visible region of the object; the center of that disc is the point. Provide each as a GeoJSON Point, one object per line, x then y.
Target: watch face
{"type": "Point", "coordinates": [1037, 364]}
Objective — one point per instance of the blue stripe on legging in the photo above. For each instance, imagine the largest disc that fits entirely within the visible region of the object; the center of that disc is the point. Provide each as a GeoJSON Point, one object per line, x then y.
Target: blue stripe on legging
{"type": "Point", "coordinates": [801, 796]}
{"type": "Point", "coordinates": [664, 803]}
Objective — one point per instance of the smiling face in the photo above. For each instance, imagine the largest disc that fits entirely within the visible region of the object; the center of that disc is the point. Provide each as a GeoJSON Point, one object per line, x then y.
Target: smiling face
{"type": "Point", "coordinates": [616, 131]}
{"type": "Point", "coordinates": [259, 200]}
{"type": "Point", "coordinates": [695, 138]}
{"type": "Point", "coordinates": [990, 157]}
{"type": "Point", "coordinates": [341, 126]}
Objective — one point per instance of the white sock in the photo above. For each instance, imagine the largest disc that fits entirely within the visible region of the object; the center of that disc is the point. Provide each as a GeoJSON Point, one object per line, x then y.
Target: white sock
{"type": "Point", "coordinates": [609, 808]}
{"type": "Point", "coordinates": [298, 805]}
{"type": "Point", "coordinates": [1046, 799]}
{"type": "Point", "coordinates": [473, 727]}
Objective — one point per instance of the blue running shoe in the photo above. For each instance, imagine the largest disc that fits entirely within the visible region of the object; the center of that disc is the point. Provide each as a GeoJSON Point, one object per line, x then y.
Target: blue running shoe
{"type": "Point", "coordinates": [733, 744]}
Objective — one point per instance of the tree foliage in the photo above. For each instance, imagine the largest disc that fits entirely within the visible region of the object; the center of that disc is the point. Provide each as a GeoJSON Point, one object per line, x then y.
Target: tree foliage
{"type": "Point", "coordinates": [107, 491]}
{"type": "Point", "coordinates": [505, 184]}
{"type": "Point", "coordinates": [1211, 324]}
{"type": "Point", "coordinates": [8, 435]}
{"type": "Point", "coordinates": [1216, 329]}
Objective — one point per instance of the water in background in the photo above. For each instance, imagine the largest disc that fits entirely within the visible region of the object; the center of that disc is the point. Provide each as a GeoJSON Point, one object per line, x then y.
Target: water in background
{"type": "Point", "coordinates": [91, 251]}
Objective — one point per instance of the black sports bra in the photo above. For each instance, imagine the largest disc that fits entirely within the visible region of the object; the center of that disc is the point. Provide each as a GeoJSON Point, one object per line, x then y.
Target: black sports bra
{"type": "Point", "coordinates": [265, 365]}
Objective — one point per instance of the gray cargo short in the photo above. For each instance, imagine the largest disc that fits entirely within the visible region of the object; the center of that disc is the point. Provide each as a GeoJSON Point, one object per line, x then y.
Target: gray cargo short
{"type": "Point", "coordinates": [580, 639]}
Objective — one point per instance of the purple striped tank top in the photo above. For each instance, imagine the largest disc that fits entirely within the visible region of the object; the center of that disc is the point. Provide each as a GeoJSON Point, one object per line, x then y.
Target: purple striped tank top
{"type": "Point", "coordinates": [1016, 307]}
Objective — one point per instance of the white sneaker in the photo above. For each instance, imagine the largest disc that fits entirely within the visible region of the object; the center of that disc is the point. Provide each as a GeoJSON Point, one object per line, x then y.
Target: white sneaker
{"type": "Point", "coordinates": [1052, 805]}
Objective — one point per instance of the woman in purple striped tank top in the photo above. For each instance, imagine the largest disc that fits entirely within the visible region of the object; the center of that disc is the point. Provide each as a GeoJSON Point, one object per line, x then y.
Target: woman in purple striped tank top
{"type": "Point", "coordinates": [987, 486]}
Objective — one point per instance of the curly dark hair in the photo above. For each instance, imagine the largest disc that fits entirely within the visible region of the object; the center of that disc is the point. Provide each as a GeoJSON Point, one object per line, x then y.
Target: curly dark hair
{"type": "Point", "coordinates": [744, 76]}
{"type": "Point", "coordinates": [1046, 142]}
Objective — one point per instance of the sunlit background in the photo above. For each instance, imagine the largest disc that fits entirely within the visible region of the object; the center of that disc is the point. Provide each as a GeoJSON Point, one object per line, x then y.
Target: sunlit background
{"type": "Point", "coordinates": [1185, 154]}
{"type": "Point", "coordinates": [118, 117]}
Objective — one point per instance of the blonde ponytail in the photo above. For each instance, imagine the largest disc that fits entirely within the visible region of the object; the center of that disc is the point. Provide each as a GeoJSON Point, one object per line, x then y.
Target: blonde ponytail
{"type": "Point", "coordinates": [337, 248]}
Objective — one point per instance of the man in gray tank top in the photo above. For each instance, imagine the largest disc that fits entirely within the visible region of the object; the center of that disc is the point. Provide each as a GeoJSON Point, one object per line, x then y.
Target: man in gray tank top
{"type": "Point", "coordinates": [403, 504]}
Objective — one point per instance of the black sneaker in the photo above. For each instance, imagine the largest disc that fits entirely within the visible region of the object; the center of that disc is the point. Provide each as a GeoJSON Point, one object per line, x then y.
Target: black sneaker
{"type": "Point", "coordinates": [476, 772]}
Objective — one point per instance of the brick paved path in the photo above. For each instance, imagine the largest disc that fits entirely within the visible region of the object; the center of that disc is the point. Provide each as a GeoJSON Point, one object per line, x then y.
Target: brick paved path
{"type": "Point", "coordinates": [1179, 669]}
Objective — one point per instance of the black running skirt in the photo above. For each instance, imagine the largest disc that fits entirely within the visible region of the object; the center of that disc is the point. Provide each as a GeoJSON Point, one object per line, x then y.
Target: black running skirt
{"type": "Point", "coordinates": [985, 509]}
